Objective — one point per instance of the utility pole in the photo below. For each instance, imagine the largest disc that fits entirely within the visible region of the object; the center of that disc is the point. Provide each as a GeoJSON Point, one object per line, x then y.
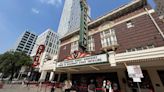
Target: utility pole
{"type": "Point", "coordinates": [83, 25]}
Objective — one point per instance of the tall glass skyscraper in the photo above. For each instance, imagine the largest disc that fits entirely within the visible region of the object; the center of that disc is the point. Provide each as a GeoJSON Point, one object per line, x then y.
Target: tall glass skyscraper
{"type": "Point", "coordinates": [70, 18]}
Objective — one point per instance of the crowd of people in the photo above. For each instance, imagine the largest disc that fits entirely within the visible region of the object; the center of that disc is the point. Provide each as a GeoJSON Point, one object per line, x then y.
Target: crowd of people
{"type": "Point", "coordinates": [106, 87]}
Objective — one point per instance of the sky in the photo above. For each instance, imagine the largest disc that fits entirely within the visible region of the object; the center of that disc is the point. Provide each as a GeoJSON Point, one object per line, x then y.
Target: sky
{"type": "Point", "coordinates": [16, 16]}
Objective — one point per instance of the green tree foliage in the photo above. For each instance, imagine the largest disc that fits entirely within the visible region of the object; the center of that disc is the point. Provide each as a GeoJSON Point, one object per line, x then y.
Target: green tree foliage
{"type": "Point", "coordinates": [11, 62]}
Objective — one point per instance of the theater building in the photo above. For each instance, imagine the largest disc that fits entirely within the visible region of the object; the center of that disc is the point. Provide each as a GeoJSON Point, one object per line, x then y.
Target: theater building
{"type": "Point", "coordinates": [132, 34]}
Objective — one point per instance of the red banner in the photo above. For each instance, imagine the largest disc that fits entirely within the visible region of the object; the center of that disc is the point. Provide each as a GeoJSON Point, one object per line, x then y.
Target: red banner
{"type": "Point", "coordinates": [38, 54]}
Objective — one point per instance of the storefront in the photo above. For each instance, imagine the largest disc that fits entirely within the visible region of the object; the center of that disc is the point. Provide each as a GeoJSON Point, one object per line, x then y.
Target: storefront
{"type": "Point", "coordinates": [98, 68]}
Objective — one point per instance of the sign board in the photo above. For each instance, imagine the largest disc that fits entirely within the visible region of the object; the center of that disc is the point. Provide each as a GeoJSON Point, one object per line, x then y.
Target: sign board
{"type": "Point", "coordinates": [136, 79]}
{"type": "Point", "coordinates": [83, 61]}
{"type": "Point", "coordinates": [135, 71]}
{"type": "Point", "coordinates": [40, 50]}
{"type": "Point", "coordinates": [83, 25]}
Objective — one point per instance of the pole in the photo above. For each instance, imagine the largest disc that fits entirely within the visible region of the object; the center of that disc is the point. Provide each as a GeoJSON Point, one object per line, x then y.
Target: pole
{"type": "Point", "coordinates": [139, 89]}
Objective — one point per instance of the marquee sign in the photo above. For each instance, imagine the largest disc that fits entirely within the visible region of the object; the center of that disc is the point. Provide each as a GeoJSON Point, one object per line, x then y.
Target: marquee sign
{"type": "Point", "coordinates": [38, 54]}
{"type": "Point", "coordinates": [84, 61]}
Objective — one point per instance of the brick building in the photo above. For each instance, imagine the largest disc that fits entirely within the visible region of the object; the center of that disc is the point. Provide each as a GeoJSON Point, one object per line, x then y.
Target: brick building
{"type": "Point", "coordinates": [129, 35]}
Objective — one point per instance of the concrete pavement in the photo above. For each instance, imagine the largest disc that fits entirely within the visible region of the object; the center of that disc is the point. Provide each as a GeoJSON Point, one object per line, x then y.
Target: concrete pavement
{"type": "Point", "coordinates": [23, 88]}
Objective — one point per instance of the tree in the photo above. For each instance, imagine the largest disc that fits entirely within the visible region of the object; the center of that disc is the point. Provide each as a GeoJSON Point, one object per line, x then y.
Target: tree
{"type": "Point", "coordinates": [11, 62]}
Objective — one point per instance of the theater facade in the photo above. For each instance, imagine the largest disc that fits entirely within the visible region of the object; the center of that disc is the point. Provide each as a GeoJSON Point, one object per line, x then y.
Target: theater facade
{"type": "Point", "coordinates": [132, 34]}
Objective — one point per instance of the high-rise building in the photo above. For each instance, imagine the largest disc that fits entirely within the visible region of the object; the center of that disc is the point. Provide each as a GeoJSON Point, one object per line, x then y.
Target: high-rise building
{"type": "Point", "coordinates": [70, 18]}
{"type": "Point", "coordinates": [25, 42]}
{"type": "Point", "coordinates": [159, 7]}
{"type": "Point", "coordinates": [50, 40]}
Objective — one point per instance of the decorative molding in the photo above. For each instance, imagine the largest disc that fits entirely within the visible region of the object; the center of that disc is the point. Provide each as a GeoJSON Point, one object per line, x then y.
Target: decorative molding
{"type": "Point", "coordinates": [139, 55]}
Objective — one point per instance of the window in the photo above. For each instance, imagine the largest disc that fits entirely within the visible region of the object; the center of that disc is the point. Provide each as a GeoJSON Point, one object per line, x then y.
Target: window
{"type": "Point", "coordinates": [140, 48]}
{"type": "Point", "coordinates": [26, 49]}
{"type": "Point", "coordinates": [18, 49]}
{"type": "Point", "coordinates": [91, 45]}
{"type": "Point", "coordinates": [64, 48]}
{"type": "Point", "coordinates": [108, 38]}
{"type": "Point", "coordinates": [28, 43]}
{"type": "Point", "coordinates": [150, 46]}
{"type": "Point", "coordinates": [46, 43]}
{"type": "Point", "coordinates": [74, 46]}
{"type": "Point", "coordinates": [26, 37]}
{"type": "Point", "coordinates": [129, 24]}
{"type": "Point", "coordinates": [50, 44]}
{"type": "Point", "coordinates": [47, 49]}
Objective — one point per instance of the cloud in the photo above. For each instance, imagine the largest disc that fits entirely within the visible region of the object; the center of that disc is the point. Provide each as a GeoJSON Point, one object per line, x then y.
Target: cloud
{"type": "Point", "coordinates": [56, 3]}
{"type": "Point", "coordinates": [34, 10]}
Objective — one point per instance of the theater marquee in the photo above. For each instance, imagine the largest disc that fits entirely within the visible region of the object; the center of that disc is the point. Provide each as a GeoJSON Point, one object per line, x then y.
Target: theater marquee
{"type": "Point", "coordinates": [84, 61]}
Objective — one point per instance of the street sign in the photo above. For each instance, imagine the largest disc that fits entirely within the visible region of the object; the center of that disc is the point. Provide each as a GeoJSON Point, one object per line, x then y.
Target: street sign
{"type": "Point", "coordinates": [135, 71]}
{"type": "Point", "coordinates": [136, 79]}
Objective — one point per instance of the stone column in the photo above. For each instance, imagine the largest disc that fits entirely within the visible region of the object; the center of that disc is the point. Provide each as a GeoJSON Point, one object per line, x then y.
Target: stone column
{"type": "Point", "coordinates": [111, 58]}
{"type": "Point", "coordinates": [122, 80]}
{"type": "Point", "coordinates": [52, 75]}
{"type": "Point", "coordinates": [68, 76]}
{"type": "Point", "coordinates": [43, 76]}
{"type": "Point", "coordinates": [59, 75]}
{"type": "Point", "coordinates": [155, 79]}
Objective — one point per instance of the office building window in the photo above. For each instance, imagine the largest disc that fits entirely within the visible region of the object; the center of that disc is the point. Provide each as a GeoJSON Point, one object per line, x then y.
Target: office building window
{"type": "Point", "coordinates": [108, 38]}
{"type": "Point", "coordinates": [91, 45]}
{"type": "Point", "coordinates": [50, 44]}
{"type": "Point", "coordinates": [74, 46]}
{"type": "Point", "coordinates": [129, 24]}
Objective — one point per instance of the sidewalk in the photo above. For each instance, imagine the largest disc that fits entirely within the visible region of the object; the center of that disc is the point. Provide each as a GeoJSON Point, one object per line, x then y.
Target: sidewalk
{"type": "Point", "coordinates": [23, 88]}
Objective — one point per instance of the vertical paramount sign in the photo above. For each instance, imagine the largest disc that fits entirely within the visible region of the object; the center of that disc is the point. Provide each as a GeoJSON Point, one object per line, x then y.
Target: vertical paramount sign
{"type": "Point", "coordinates": [38, 54]}
{"type": "Point", "coordinates": [83, 25]}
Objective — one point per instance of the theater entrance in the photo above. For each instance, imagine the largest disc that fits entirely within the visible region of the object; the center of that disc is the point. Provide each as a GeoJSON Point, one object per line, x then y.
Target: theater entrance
{"type": "Point", "coordinates": [83, 80]}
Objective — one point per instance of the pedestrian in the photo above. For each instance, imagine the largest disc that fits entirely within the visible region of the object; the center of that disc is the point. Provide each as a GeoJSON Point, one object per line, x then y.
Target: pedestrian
{"type": "Point", "coordinates": [67, 86]}
{"type": "Point", "coordinates": [53, 87]}
{"type": "Point", "coordinates": [91, 86]}
{"type": "Point", "coordinates": [108, 86]}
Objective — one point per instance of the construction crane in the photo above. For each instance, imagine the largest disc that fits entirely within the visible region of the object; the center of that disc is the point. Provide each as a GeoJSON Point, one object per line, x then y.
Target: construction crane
{"type": "Point", "coordinates": [83, 25]}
